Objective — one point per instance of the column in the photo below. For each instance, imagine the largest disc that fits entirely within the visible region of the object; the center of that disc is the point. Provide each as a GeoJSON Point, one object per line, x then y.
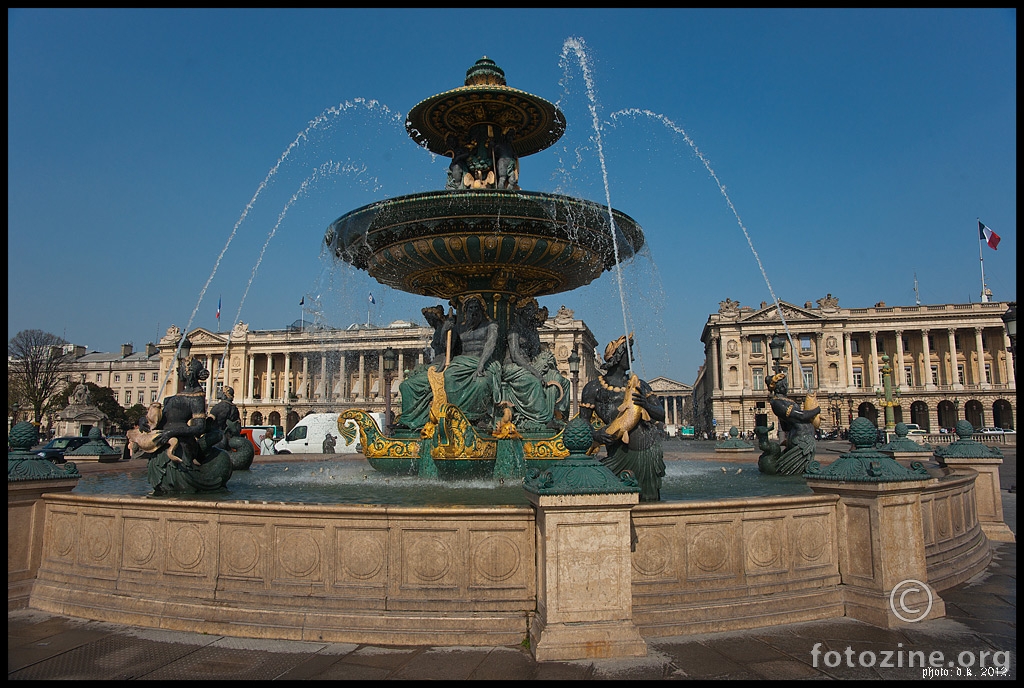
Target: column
{"type": "Point", "coordinates": [927, 365]}
{"type": "Point", "coordinates": [321, 385]}
{"type": "Point", "coordinates": [305, 376]}
{"type": "Point", "coordinates": [380, 374]}
{"type": "Point", "coordinates": [848, 355]}
{"type": "Point", "coordinates": [1010, 377]}
{"type": "Point", "coordinates": [902, 379]}
{"type": "Point", "coordinates": [252, 378]}
{"type": "Point", "coordinates": [266, 380]}
{"type": "Point", "coordinates": [979, 345]}
{"type": "Point", "coordinates": [664, 403]}
{"type": "Point", "coordinates": [873, 380]}
{"type": "Point", "coordinates": [953, 376]}
{"type": "Point", "coordinates": [210, 381]}
{"type": "Point", "coordinates": [819, 356]}
{"type": "Point", "coordinates": [287, 376]}
{"type": "Point", "coordinates": [744, 370]}
{"type": "Point", "coordinates": [714, 364]}
{"type": "Point", "coordinates": [361, 384]}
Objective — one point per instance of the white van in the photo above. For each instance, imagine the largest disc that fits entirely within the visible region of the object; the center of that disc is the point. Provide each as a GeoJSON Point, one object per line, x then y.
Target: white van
{"type": "Point", "coordinates": [307, 437]}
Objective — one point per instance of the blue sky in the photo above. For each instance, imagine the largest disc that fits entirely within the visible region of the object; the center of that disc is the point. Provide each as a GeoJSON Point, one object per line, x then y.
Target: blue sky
{"type": "Point", "coordinates": [850, 149]}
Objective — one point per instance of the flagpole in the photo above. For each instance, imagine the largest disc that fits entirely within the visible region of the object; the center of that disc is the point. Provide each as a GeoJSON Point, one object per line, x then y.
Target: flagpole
{"type": "Point", "coordinates": [981, 260]}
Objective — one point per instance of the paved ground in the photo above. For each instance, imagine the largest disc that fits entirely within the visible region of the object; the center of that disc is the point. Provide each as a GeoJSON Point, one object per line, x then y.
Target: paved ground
{"type": "Point", "coordinates": [979, 635]}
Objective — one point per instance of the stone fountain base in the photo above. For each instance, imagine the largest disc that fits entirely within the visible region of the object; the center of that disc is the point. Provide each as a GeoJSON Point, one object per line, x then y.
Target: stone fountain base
{"type": "Point", "coordinates": [475, 575]}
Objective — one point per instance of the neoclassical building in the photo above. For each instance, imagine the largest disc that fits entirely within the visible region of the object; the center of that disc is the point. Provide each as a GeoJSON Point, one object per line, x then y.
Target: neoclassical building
{"type": "Point", "coordinates": [283, 375]}
{"type": "Point", "coordinates": [949, 361]}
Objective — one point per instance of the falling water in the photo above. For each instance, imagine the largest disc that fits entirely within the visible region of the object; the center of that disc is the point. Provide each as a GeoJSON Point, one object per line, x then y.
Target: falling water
{"type": "Point", "coordinates": [578, 47]}
{"type": "Point", "coordinates": [316, 122]}
{"type": "Point", "coordinates": [634, 112]}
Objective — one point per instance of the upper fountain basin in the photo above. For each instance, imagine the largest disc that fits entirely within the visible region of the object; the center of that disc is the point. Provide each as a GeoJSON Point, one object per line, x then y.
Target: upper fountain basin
{"type": "Point", "coordinates": [445, 243]}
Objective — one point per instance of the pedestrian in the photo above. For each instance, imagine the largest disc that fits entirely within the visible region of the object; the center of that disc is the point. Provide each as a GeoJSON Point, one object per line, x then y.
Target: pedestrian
{"type": "Point", "coordinates": [267, 443]}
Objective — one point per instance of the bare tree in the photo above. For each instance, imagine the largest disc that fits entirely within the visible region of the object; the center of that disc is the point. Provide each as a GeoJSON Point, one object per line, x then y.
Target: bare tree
{"type": "Point", "coordinates": [37, 363]}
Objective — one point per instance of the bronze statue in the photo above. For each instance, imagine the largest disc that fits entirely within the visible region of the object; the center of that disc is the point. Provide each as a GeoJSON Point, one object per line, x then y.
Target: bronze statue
{"type": "Point", "coordinates": [531, 386]}
{"type": "Point", "coordinates": [469, 381]}
{"type": "Point", "coordinates": [629, 409]}
{"type": "Point", "coordinates": [183, 454]}
{"type": "Point", "coordinates": [798, 424]}
{"type": "Point", "coordinates": [229, 422]}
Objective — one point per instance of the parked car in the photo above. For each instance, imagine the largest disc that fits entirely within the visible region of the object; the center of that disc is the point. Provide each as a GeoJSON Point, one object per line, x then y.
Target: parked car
{"type": "Point", "coordinates": [995, 431]}
{"type": "Point", "coordinates": [55, 449]}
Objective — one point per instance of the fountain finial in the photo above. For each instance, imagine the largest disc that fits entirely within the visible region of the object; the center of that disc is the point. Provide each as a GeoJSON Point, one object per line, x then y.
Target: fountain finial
{"type": "Point", "coordinates": [485, 73]}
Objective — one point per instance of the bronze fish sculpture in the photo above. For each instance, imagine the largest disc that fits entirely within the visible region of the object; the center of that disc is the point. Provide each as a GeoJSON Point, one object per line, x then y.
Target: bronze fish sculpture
{"type": "Point", "coordinates": [629, 415]}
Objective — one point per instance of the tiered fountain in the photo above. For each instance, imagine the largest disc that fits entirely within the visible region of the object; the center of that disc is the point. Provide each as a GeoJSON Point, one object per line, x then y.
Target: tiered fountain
{"type": "Point", "coordinates": [485, 238]}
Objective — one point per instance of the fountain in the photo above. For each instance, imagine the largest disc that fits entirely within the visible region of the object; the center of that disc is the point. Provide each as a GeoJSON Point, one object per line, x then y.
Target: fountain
{"type": "Point", "coordinates": [489, 405]}
{"type": "Point", "coordinates": [580, 568]}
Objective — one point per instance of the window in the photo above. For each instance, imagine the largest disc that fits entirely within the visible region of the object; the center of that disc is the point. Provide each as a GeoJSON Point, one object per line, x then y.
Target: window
{"type": "Point", "coordinates": [758, 379]}
{"type": "Point", "coordinates": [142, 377]}
{"type": "Point", "coordinates": [988, 372]}
{"type": "Point", "coordinates": [805, 342]}
{"type": "Point", "coordinates": [908, 375]}
{"type": "Point", "coordinates": [808, 374]}
{"type": "Point", "coordinates": [854, 346]}
{"type": "Point", "coordinates": [129, 377]}
{"type": "Point", "coordinates": [117, 377]}
{"type": "Point", "coordinates": [127, 397]}
{"type": "Point", "coordinates": [757, 347]}
{"type": "Point", "coordinates": [906, 344]}
{"type": "Point", "coordinates": [881, 345]}
{"type": "Point", "coordinates": [858, 377]}
{"type": "Point", "coordinates": [935, 375]}
{"type": "Point", "coordinates": [956, 341]}
{"type": "Point", "coordinates": [931, 342]}
{"type": "Point", "coordinates": [152, 396]}
{"type": "Point", "coordinates": [99, 378]}
{"type": "Point", "coordinates": [960, 372]}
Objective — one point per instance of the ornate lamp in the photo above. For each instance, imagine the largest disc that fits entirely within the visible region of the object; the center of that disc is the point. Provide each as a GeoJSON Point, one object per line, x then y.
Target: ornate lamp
{"type": "Point", "coordinates": [390, 364]}
{"type": "Point", "coordinates": [574, 368]}
{"type": "Point", "coordinates": [778, 349]}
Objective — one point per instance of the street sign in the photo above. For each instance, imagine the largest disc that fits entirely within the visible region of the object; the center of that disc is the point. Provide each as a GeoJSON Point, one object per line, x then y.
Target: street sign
{"type": "Point", "coordinates": [714, 421]}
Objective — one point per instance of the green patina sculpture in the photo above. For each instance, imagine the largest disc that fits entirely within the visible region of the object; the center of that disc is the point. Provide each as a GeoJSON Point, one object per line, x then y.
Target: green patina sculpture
{"type": "Point", "coordinates": [180, 441]}
{"type": "Point", "coordinates": [579, 473]}
{"type": "Point", "coordinates": [629, 410]}
{"type": "Point", "coordinates": [23, 465]}
{"type": "Point", "coordinates": [865, 464]}
{"type": "Point", "coordinates": [797, 424]}
{"type": "Point", "coordinates": [966, 447]}
{"type": "Point", "coordinates": [228, 420]}
{"type": "Point", "coordinates": [734, 442]}
{"type": "Point", "coordinates": [96, 446]}
{"type": "Point", "coordinates": [903, 444]}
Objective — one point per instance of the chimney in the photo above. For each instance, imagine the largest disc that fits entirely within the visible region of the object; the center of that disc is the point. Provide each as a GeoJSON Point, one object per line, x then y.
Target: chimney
{"type": "Point", "coordinates": [151, 349]}
{"type": "Point", "coordinates": [126, 350]}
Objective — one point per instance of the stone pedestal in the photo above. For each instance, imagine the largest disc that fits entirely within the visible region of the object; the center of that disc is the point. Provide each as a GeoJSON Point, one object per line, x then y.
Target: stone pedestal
{"type": "Point", "coordinates": [584, 578]}
{"type": "Point", "coordinates": [882, 551]}
{"type": "Point", "coordinates": [987, 489]}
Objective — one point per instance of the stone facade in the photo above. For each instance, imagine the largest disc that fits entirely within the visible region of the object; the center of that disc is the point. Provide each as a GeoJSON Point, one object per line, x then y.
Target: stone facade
{"type": "Point", "coordinates": [950, 361]}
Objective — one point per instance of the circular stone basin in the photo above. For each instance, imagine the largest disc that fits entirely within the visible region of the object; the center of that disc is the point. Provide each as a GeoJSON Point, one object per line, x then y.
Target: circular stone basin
{"type": "Point", "coordinates": [354, 482]}
{"type": "Point", "coordinates": [444, 243]}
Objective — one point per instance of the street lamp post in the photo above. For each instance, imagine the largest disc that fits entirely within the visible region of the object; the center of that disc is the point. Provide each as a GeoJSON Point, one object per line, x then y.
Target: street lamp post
{"type": "Point", "coordinates": [574, 368]}
{"type": "Point", "coordinates": [778, 349]}
{"type": "Point", "coordinates": [888, 396]}
{"type": "Point", "coordinates": [390, 363]}
{"type": "Point", "coordinates": [835, 404]}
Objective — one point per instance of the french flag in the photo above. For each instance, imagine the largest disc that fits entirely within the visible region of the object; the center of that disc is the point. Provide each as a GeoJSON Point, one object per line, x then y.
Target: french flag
{"type": "Point", "coordinates": [218, 299]}
{"type": "Point", "coordinates": [988, 236]}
